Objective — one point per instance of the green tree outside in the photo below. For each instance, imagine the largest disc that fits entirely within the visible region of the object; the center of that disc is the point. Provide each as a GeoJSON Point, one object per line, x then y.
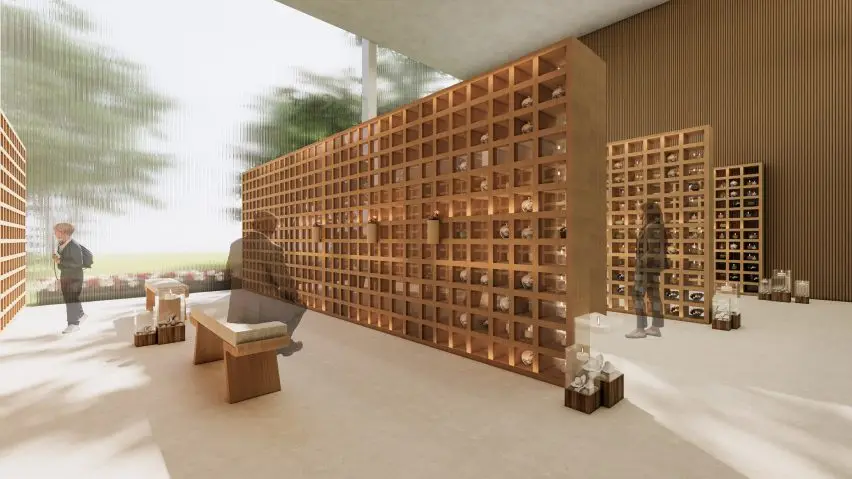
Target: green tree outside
{"type": "Point", "coordinates": [82, 111]}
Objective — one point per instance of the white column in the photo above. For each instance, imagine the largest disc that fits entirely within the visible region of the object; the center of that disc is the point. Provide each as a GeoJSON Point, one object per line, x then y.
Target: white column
{"type": "Point", "coordinates": [369, 103]}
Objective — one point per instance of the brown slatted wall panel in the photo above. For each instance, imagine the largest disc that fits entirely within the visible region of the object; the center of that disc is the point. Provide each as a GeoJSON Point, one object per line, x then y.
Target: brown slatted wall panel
{"type": "Point", "coordinates": [772, 79]}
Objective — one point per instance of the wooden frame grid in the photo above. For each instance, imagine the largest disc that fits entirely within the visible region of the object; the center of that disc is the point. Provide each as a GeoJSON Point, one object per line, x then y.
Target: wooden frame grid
{"type": "Point", "coordinates": [738, 225]}
{"type": "Point", "coordinates": [13, 216]}
{"type": "Point", "coordinates": [673, 170]}
{"type": "Point", "coordinates": [475, 152]}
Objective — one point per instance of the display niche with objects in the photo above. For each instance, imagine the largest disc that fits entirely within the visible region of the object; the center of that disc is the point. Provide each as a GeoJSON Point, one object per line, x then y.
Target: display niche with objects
{"type": "Point", "coordinates": [671, 169]}
{"type": "Point", "coordinates": [13, 215]}
{"type": "Point", "coordinates": [468, 220]}
{"type": "Point", "coordinates": [738, 225]}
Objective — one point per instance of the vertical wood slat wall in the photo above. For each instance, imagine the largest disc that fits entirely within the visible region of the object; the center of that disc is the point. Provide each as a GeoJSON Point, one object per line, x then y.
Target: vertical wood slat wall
{"type": "Point", "coordinates": [13, 209]}
{"type": "Point", "coordinates": [773, 79]}
{"type": "Point", "coordinates": [465, 152]}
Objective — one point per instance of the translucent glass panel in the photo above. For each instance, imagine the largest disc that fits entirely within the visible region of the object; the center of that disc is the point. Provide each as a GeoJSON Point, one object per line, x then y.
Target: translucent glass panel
{"type": "Point", "coordinates": [402, 80]}
{"type": "Point", "coordinates": [137, 136]}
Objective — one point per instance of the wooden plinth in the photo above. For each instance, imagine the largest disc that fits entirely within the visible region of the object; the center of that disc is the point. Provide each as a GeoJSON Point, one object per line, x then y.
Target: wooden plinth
{"type": "Point", "coordinates": [433, 231]}
{"type": "Point", "coordinates": [721, 325]}
{"type": "Point", "coordinates": [775, 296]}
{"type": "Point", "coordinates": [612, 392]}
{"type": "Point", "coordinates": [251, 369]}
{"type": "Point", "coordinates": [763, 296]}
{"type": "Point", "coordinates": [371, 232]}
{"type": "Point", "coordinates": [147, 339]}
{"type": "Point", "coordinates": [171, 334]}
{"type": "Point", "coordinates": [786, 297]}
{"type": "Point", "coordinates": [581, 402]}
{"type": "Point", "coordinates": [736, 321]}
{"type": "Point", "coordinates": [803, 300]}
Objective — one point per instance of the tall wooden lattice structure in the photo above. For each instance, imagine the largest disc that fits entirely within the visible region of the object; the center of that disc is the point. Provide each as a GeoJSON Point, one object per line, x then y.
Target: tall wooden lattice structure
{"type": "Point", "coordinates": [13, 215]}
{"type": "Point", "coordinates": [738, 225]}
{"type": "Point", "coordinates": [673, 170]}
{"type": "Point", "coordinates": [513, 162]}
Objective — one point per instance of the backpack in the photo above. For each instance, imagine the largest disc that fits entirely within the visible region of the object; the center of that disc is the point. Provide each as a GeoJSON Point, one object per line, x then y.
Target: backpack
{"type": "Point", "coordinates": [87, 257]}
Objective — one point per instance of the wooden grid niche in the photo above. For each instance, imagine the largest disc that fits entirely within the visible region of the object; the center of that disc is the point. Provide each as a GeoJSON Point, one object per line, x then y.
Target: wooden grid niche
{"type": "Point", "coordinates": [13, 207]}
{"type": "Point", "coordinates": [475, 152]}
{"type": "Point", "coordinates": [738, 225]}
{"type": "Point", "coordinates": [673, 170]}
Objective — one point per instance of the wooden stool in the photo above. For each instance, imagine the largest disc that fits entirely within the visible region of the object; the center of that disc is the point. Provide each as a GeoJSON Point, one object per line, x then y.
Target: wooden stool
{"type": "Point", "coordinates": [250, 352]}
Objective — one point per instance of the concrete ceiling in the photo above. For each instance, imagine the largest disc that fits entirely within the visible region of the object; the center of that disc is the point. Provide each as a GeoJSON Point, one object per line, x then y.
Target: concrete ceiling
{"type": "Point", "coordinates": [467, 37]}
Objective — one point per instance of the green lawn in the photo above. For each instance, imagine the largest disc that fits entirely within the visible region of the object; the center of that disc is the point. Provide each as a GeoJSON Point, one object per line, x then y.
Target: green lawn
{"type": "Point", "coordinates": [110, 264]}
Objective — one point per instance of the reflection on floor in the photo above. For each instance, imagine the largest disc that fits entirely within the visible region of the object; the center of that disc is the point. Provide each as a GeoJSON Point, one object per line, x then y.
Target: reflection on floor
{"type": "Point", "coordinates": [770, 400]}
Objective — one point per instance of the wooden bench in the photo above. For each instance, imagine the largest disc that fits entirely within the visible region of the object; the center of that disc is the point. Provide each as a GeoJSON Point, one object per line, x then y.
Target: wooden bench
{"type": "Point", "coordinates": [153, 286]}
{"type": "Point", "coordinates": [250, 351]}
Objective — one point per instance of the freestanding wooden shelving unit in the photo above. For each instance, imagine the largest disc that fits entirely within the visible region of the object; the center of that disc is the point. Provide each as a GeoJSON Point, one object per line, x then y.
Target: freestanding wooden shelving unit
{"type": "Point", "coordinates": [511, 160]}
{"type": "Point", "coordinates": [738, 225]}
{"type": "Point", "coordinates": [673, 170]}
{"type": "Point", "coordinates": [13, 207]}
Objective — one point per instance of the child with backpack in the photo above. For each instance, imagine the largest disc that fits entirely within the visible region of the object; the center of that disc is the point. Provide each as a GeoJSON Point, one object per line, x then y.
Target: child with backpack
{"type": "Point", "coordinates": [71, 258]}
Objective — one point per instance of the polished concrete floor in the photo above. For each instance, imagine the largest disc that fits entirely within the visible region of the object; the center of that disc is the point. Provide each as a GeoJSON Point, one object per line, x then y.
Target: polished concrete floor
{"type": "Point", "coordinates": [772, 400]}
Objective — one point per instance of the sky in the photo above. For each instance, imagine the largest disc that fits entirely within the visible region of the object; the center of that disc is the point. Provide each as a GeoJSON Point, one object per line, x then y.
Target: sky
{"type": "Point", "coordinates": [213, 57]}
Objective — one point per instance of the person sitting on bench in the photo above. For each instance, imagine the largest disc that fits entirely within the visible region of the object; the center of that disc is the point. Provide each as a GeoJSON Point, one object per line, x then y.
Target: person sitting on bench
{"type": "Point", "coordinates": [270, 300]}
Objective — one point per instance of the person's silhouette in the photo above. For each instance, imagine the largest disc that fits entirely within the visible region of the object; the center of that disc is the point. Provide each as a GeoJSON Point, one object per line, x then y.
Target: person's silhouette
{"type": "Point", "coordinates": [269, 298]}
{"type": "Point", "coordinates": [650, 262]}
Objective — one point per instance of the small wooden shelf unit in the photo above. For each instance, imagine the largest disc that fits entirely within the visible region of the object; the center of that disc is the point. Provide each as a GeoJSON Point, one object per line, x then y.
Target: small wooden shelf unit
{"type": "Point", "coordinates": [13, 215]}
{"type": "Point", "coordinates": [476, 152]}
{"type": "Point", "coordinates": [673, 170]}
{"type": "Point", "coordinates": [738, 225]}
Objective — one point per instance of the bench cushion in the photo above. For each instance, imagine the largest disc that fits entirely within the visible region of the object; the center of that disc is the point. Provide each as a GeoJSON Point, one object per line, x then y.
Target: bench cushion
{"type": "Point", "coordinates": [163, 283]}
{"type": "Point", "coordinates": [214, 317]}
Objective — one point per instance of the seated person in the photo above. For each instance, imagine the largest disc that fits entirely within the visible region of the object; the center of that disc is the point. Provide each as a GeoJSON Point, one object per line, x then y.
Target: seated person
{"type": "Point", "coordinates": [271, 302]}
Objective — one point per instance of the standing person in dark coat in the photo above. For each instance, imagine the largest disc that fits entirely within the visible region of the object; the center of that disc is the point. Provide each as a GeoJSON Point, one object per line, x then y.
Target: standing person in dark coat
{"type": "Point", "coordinates": [650, 263]}
{"type": "Point", "coordinates": [69, 260]}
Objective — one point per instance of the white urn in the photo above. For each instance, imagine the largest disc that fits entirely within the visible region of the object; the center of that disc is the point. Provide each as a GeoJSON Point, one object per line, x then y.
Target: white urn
{"type": "Point", "coordinates": [505, 232]}
{"type": "Point", "coordinates": [504, 303]}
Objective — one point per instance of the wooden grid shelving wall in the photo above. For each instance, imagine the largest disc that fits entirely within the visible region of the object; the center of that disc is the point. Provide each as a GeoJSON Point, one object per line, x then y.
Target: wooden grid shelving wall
{"type": "Point", "coordinates": [738, 225]}
{"type": "Point", "coordinates": [13, 208]}
{"type": "Point", "coordinates": [475, 152]}
{"type": "Point", "coordinates": [673, 170]}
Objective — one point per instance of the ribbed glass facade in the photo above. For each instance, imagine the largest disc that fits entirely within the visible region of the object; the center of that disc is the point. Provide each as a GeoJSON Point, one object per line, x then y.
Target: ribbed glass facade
{"type": "Point", "coordinates": [137, 136]}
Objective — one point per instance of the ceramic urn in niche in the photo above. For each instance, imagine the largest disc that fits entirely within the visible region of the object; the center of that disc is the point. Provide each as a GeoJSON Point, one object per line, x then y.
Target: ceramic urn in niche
{"type": "Point", "coordinates": [527, 102]}
{"type": "Point", "coordinates": [483, 280]}
{"type": "Point", "coordinates": [504, 303]}
{"type": "Point", "coordinates": [463, 275]}
{"type": "Point", "coordinates": [527, 281]}
{"type": "Point", "coordinates": [483, 185]}
{"type": "Point", "coordinates": [483, 138]}
{"type": "Point", "coordinates": [505, 231]}
{"type": "Point", "coordinates": [527, 205]}
{"type": "Point", "coordinates": [461, 163]}
{"type": "Point", "coordinates": [671, 157]}
{"type": "Point", "coordinates": [527, 357]}
{"type": "Point", "coordinates": [558, 92]}
{"type": "Point", "coordinates": [561, 336]}
{"type": "Point", "coordinates": [527, 128]}
{"type": "Point", "coordinates": [463, 319]}
{"type": "Point", "coordinates": [734, 183]}
{"type": "Point", "coordinates": [527, 233]}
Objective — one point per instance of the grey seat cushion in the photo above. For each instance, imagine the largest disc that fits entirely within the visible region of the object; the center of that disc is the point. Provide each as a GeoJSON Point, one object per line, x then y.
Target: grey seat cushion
{"type": "Point", "coordinates": [214, 317]}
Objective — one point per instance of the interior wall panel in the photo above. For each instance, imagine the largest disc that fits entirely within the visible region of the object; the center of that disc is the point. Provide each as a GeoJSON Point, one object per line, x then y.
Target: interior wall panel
{"type": "Point", "coordinates": [772, 77]}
